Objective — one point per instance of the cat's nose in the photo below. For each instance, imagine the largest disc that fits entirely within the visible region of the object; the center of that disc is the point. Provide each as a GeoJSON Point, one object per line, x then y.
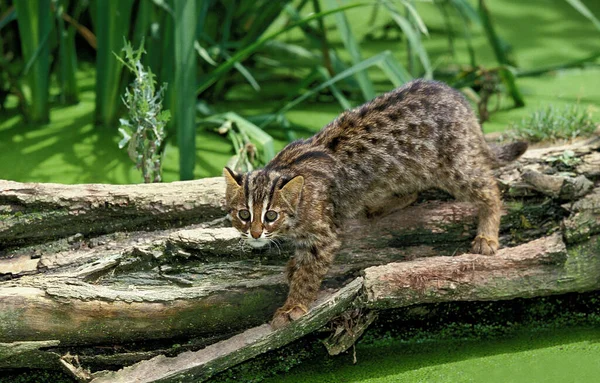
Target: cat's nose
{"type": "Point", "coordinates": [255, 234]}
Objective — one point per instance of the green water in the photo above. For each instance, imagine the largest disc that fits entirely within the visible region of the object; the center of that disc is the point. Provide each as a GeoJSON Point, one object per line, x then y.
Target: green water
{"type": "Point", "coordinates": [558, 356]}
{"type": "Point", "coordinates": [541, 32]}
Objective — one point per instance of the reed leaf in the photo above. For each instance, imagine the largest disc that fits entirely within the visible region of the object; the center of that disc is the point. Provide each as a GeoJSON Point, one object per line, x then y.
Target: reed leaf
{"type": "Point", "coordinates": [143, 21]}
{"type": "Point", "coordinates": [35, 24]}
{"type": "Point", "coordinates": [185, 83]}
{"type": "Point", "coordinates": [413, 38]}
{"type": "Point", "coordinates": [67, 56]}
{"type": "Point", "coordinates": [585, 12]}
{"type": "Point", "coordinates": [339, 96]}
{"type": "Point", "coordinates": [112, 26]}
{"type": "Point", "coordinates": [466, 10]}
{"type": "Point", "coordinates": [263, 141]}
{"type": "Point", "coordinates": [502, 57]}
{"type": "Point", "coordinates": [365, 84]}
{"type": "Point", "coordinates": [414, 15]}
{"type": "Point", "coordinates": [165, 51]}
{"type": "Point", "coordinates": [469, 15]}
{"type": "Point", "coordinates": [384, 60]}
{"type": "Point", "coordinates": [9, 16]}
{"type": "Point", "coordinates": [318, 40]}
{"type": "Point", "coordinates": [261, 19]}
{"type": "Point", "coordinates": [395, 72]}
{"type": "Point", "coordinates": [242, 54]}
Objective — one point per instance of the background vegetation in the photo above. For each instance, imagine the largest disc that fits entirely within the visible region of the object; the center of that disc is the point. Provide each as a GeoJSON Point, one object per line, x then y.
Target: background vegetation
{"type": "Point", "coordinates": [246, 77]}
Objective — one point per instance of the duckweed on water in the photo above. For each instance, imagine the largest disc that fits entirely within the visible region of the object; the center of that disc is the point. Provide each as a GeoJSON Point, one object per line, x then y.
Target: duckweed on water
{"type": "Point", "coordinates": [522, 340]}
{"type": "Point", "coordinates": [565, 356]}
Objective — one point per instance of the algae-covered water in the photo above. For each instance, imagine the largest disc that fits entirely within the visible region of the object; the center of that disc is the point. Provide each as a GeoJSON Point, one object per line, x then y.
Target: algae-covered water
{"type": "Point", "coordinates": [549, 339]}
{"type": "Point", "coordinates": [557, 356]}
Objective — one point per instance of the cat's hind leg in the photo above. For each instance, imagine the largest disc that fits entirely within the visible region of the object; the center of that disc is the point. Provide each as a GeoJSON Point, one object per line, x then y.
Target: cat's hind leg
{"type": "Point", "coordinates": [479, 187]}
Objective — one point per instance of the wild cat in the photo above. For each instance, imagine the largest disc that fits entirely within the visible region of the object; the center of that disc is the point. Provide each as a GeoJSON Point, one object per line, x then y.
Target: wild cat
{"type": "Point", "coordinates": [370, 160]}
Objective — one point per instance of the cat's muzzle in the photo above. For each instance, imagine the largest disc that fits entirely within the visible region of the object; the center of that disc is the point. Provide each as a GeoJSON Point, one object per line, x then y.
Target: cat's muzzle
{"type": "Point", "coordinates": [257, 243]}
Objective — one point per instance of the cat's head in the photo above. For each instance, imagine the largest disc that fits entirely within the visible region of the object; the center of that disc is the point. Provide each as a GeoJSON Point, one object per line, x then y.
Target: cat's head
{"type": "Point", "coordinates": [262, 204]}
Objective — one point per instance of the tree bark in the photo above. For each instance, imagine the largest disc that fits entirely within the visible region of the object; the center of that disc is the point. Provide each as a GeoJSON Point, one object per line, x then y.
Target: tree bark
{"type": "Point", "coordinates": [86, 266]}
{"type": "Point", "coordinates": [537, 268]}
{"type": "Point", "coordinates": [31, 212]}
{"type": "Point", "coordinates": [200, 365]}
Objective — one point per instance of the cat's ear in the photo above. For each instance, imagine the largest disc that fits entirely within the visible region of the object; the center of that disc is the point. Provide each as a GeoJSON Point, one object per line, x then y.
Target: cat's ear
{"type": "Point", "coordinates": [291, 191]}
{"type": "Point", "coordinates": [233, 181]}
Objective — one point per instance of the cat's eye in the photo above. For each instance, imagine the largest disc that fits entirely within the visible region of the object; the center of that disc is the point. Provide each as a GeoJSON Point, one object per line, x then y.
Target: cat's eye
{"type": "Point", "coordinates": [271, 216]}
{"type": "Point", "coordinates": [244, 215]}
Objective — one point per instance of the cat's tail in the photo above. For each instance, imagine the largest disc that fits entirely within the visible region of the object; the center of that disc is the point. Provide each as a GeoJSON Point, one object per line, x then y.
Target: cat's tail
{"type": "Point", "coordinates": [507, 153]}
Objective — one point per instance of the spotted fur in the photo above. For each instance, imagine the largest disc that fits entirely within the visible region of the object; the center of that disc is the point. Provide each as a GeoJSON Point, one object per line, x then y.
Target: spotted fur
{"type": "Point", "coordinates": [370, 160]}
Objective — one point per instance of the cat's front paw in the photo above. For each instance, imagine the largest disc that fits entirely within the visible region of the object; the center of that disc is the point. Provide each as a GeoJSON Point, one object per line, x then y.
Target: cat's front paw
{"type": "Point", "coordinates": [286, 314]}
{"type": "Point", "coordinates": [484, 245]}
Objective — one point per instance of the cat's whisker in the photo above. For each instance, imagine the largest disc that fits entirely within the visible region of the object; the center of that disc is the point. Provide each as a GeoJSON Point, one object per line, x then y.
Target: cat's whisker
{"type": "Point", "coordinates": [242, 242]}
{"type": "Point", "coordinates": [276, 245]}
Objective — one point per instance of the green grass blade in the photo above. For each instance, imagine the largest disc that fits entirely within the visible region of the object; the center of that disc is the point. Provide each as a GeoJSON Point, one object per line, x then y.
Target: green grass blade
{"type": "Point", "coordinates": [263, 141]}
{"type": "Point", "coordinates": [585, 12]}
{"type": "Point", "coordinates": [378, 59]}
{"type": "Point", "coordinates": [244, 72]}
{"type": "Point", "coordinates": [291, 55]}
{"type": "Point", "coordinates": [339, 96]}
{"type": "Point", "coordinates": [317, 39]}
{"type": "Point", "coordinates": [449, 27]}
{"type": "Point", "coordinates": [412, 11]}
{"type": "Point", "coordinates": [241, 54]}
{"type": "Point", "coordinates": [413, 38]}
{"type": "Point", "coordinates": [501, 55]}
{"type": "Point", "coordinates": [62, 50]}
{"type": "Point", "coordinates": [510, 80]}
{"type": "Point", "coordinates": [365, 84]}
{"type": "Point", "coordinates": [248, 76]}
{"type": "Point", "coordinates": [143, 20]}
{"type": "Point", "coordinates": [558, 67]}
{"type": "Point", "coordinates": [35, 23]}
{"type": "Point", "coordinates": [466, 10]}
{"type": "Point", "coordinates": [166, 53]}
{"type": "Point", "coordinates": [166, 6]}
{"type": "Point", "coordinates": [203, 53]}
{"type": "Point", "coordinates": [262, 18]}
{"type": "Point", "coordinates": [322, 37]}
{"type": "Point", "coordinates": [185, 83]}
{"type": "Point", "coordinates": [112, 22]}
{"type": "Point", "coordinates": [8, 17]}
{"type": "Point", "coordinates": [469, 15]}
{"type": "Point", "coordinates": [397, 74]}
{"type": "Point", "coordinates": [497, 44]}
{"type": "Point", "coordinates": [67, 58]}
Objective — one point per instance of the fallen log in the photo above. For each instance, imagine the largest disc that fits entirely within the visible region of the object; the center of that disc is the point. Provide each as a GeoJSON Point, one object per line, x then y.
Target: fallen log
{"type": "Point", "coordinates": [163, 266]}
{"type": "Point", "coordinates": [200, 365]}
{"type": "Point", "coordinates": [31, 212]}
{"type": "Point", "coordinates": [198, 282]}
{"type": "Point", "coordinates": [538, 268]}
